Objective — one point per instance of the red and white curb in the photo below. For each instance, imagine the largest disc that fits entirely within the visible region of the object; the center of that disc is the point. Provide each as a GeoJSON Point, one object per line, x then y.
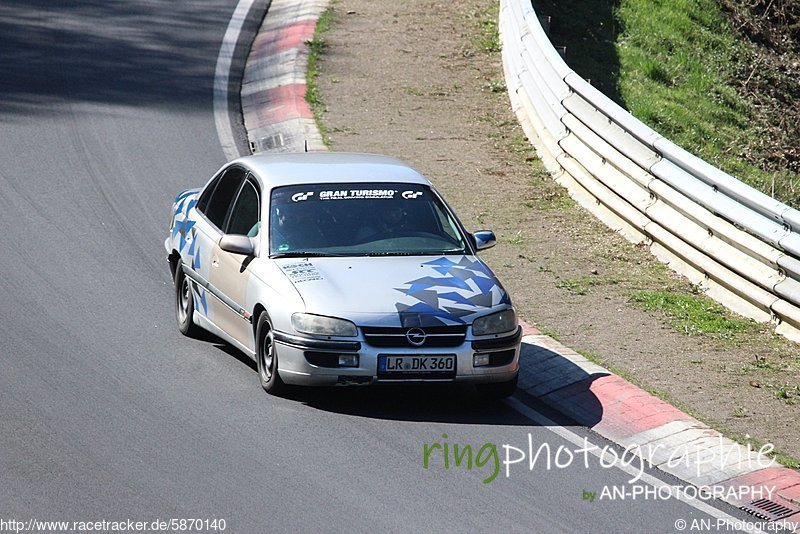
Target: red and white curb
{"type": "Point", "coordinates": [278, 119]}
{"type": "Point", "coordinates": [276, 115]}
{"type": "Point", "coordinates": [656, 431]}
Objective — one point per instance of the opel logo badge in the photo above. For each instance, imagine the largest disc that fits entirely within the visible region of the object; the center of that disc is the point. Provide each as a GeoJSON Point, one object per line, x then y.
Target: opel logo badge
{"type": "Point", "coordinates": [416, 336]}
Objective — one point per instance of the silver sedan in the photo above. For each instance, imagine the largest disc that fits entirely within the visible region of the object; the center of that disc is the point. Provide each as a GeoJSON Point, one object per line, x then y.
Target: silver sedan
{"type": "Point", "coordinates": [340, 269]}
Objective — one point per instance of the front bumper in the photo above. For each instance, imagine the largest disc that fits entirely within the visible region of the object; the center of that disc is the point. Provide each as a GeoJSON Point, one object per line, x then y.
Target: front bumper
{"type": "Point", "coordinates": [312, 362]}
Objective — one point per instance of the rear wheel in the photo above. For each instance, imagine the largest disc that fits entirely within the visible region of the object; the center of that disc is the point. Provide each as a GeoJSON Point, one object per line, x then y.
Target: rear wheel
{"type": "Point", "coordinates": [184, 304]}
{"type": "Point", "coordinates": [267, 357]}
{"type": "Point", "coordinates": [498, 390]}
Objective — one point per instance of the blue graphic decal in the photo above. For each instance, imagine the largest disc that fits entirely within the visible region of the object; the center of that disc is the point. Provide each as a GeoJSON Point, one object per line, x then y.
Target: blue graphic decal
{"type": "Point", "coordinates": [201, 305]}
{"type": "Point", "coordinates": [191, 247]}
{"type": "Point", "coordinates": [195, 258]}
{"type": "Point", "coordinates": [185, 228]}
{"type": "Point", "coordinates": [456, 297]}
{"type": "Point", "coordinates": [465, 288]}
{"type": "Point", "coordinates": [184, 232]}
{"type": "Point", "coordinates": [183, 194]}
{"type": "Point", "coordinates": [428, 281]}
{"type": "Point", "coordinates": [203, 302]}
{"type": "Point", "coordinates": [182, 225]}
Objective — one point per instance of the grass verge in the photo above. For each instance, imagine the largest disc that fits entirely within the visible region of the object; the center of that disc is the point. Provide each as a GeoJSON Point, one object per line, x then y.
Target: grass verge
{"type": "Point", "coordinates": [680, 64]}
{"type": "Point", "coordinates": [695, 314]}
{"type": "Point", "coordinates": [487, 36]}
{"type": "Point", "coordinates": [316, 49]}
{"type": "Point", "coordinates": [682, 68]}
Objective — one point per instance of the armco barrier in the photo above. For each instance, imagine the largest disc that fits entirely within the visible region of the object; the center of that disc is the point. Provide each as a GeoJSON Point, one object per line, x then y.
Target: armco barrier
{"type": "Point", "coordinates": [737, 243]}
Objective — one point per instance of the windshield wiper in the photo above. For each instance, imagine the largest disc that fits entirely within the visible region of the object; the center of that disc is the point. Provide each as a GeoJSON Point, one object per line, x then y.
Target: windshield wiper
{"type": "Point", "coordinates": [305, 255]}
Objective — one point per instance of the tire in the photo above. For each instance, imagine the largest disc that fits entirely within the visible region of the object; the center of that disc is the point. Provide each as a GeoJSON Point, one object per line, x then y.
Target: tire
{"type": "Point", "coordinates": [184, 304]}
{"type": "Point", "coordinates": [498, 390]}
{"type": "Point", "coordinates": [267, 358]}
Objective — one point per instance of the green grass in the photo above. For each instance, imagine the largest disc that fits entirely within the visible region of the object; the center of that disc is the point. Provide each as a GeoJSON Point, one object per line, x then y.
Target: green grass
{"type": "Point", "coordinates": [678, 61]}
{"type": "Point", "coordinates": [317, 47]}
{"type": "Point", "coordinates": [676, 65]}
{"type": "Point", "coordinates": [694, 315]}
{"type": "Point", "coordinates": [676, 58]}
{"type": "Point", "coordinates": [582, 285]}
{"type": "Point", "coordinates": [579, 286]}
{"type": "Point", "coordinates": [517, 238]}
{"type": "Point", "coordinates": [487, 38]}
{"type": "Point", "coordinates": [548, 331]}
{"type": "Point", "coordinates": [495, 86]}
{"type": "Point", "coordinates": [786, 392]}
{"type": "Point", "coordinates": [764, 365]}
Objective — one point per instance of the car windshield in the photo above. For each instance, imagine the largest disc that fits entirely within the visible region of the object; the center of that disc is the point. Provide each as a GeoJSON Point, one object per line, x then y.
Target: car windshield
{"type": "Point", "coordinates": [361, 219]}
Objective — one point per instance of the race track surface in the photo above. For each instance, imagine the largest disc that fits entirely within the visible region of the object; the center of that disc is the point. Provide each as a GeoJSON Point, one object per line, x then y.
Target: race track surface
{"type": "Point", "coordinates": [107, 412]}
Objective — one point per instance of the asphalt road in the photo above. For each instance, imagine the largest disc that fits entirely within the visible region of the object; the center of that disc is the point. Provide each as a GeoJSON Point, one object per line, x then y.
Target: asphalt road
{"type": "Point", "coordinates": [107, 412]}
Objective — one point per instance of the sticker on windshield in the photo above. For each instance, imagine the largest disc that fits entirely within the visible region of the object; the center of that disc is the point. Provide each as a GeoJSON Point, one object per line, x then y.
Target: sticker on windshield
{"type": "Point", "coordinates": [410, 195]}
{"type": "Point", "coordinates": [301, 271]}
{"type": "Point", "coordinates": [357, 194]}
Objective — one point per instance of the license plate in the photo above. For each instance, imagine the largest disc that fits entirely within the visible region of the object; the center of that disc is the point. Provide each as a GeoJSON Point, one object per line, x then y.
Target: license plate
{"type": "Point", "coordinates": [407, 366]}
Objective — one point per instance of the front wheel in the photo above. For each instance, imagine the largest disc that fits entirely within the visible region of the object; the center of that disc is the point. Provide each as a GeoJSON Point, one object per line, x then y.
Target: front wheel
{"type": "Point", "coordinates": [184, 304]}
{"type": "Point", "coordinates": [267, 357]}
{"type": "Point", "coordinates": [498, 390]}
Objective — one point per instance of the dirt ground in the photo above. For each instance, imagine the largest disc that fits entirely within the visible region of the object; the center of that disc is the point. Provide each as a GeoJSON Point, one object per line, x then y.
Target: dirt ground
{"type": "Point", "coordinates": [415, 80]}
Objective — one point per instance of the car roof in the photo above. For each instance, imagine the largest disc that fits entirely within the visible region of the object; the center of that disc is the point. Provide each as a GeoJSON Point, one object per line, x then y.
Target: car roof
{"type": "Point", "coordinates": [275, 170]}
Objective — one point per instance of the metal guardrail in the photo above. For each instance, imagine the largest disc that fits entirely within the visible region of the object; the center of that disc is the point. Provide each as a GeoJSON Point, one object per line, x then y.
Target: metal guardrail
{"type": "Point", "coordinates": [735, 242]}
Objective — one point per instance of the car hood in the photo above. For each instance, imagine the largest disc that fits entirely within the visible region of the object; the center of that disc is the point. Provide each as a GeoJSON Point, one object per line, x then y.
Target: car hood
{"type": "Point", "coordinates": [397, 290]}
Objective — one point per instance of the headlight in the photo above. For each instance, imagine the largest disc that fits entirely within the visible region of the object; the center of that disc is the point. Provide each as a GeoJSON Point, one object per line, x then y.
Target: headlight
{"type": "Point", "coordinates": [319, 325]}
{"type": "Point", "coordinates": [496, 323]}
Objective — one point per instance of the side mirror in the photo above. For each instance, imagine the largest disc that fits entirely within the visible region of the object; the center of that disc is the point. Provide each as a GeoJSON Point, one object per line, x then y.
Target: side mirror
{"type": "Point", "coordinates": [237, 244]}
{"type": "Point", "coordinates": [484, 239]}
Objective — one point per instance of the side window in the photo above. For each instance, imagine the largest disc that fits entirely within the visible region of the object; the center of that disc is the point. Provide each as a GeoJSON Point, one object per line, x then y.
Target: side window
{"type": "Point", "coordinates": [220, 200]}
{"type": "Point", "coordinates": [244, 215]}
{"type": "Point", "coordinates": [448, 225]}
{"type": "Point", "coordinates": [202, 202]}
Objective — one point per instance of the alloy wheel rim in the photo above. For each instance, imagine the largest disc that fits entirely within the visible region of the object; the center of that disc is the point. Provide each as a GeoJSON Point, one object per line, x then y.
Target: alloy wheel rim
{"type": "Point", "coordinates": [267, 356]}
{"type": "Point", "coordinates": [183, 301]}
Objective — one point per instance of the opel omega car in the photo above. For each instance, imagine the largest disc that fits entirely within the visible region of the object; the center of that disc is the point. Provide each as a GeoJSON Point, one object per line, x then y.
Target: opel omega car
{"type": "Point", "coordinates": [340, 269]}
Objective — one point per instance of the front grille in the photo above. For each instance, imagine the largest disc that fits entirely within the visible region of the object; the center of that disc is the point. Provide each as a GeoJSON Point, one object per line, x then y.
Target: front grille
{"type": "Point", "coordinates": [435, 336]}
